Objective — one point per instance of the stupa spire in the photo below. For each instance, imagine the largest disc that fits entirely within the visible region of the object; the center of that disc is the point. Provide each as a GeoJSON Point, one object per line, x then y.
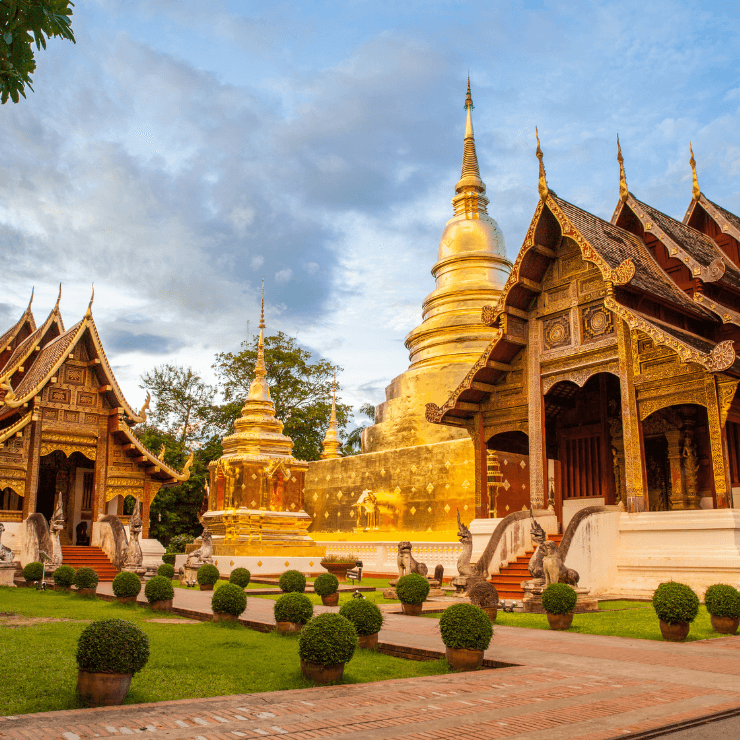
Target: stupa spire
{"type": "Point", "coordinates": [330, 449]}
{"type": "Point", "coordinates": [470, 199]}
{"type": "Point", "coordinates": [542, 182]}
{"type": "Point", "coordinates": [695, 192]}
{"type": "Point", "coordinates": [259, 390]}
{"type": "Point", "coordinates": [623, 190]}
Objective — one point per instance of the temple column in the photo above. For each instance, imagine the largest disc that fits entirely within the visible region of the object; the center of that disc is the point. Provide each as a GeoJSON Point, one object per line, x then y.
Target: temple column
{"type": "Point", "coordinates": [32, 470]}
{"type": "Point", "coordinates": [718, 445]}
{"type": "Point", "coordinates": [617, 450]}
{"type": "Point", "coordinates": [145, 504]}
{"type": "Point", "coordinates": [635, 479]}
{"type": "Point", "coordinates": [480, 448]}
{"type": "Point", "coordinates": [679, 500]}
{"type": "Point", "coordinates": [536, 418]}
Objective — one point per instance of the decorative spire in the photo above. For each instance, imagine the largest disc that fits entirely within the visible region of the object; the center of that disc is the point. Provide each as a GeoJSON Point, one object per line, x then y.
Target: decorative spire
{"type": "Point", "coordinates": [623, 191]}
{"type": "Point", "coordinates": [88, 313]}
{"type": "Point", "coordinates": [33, 290]}
{"type": "Point", "coordinates": [695, 192]}
{"type": "Point", "coordinates": [542, 184]}
{"type": "Point", "coordinates": [330, 449]}
{"type": "Point", "coordinates": [59, 297]}
{"type": "Point", "coordinates": [259, 390]}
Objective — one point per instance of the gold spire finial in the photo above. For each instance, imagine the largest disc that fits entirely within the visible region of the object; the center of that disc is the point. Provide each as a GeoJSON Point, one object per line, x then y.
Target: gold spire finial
{"type": "Point", "coordinates": [331, 445]}
{"type": "Point", "coordinates": [262, 308]}
{"type": "Point", "coordinates": [542, 183]}
{"type": "Point", "coordinates": [695, 192]}
{"type": "Point", "coordinates": [623, 191]}
{"type": "Point", "coordinates": [59, 297]}
{"type": "Point", "coordinates": [259, 390]}
{"type": "Point", "coordinates": [33, 290]}
{"type": "Point", "coordinates": [470, 199]}
{"type": "Point", "coordinates": [469, 97]}
{"type": "Point", "coordinates": [88, 313]}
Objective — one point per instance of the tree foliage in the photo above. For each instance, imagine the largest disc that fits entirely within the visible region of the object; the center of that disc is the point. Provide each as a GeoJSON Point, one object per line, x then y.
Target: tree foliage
{"type": "Point", "coordinates": [353, 443]}
{"type": "Point", "coordinates": [300, 387]}
{"type": "Point", "coordinates": [23, 23]}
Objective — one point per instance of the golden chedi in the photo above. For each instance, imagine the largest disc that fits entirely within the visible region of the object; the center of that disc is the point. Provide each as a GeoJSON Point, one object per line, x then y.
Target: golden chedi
{"type": "Point", "coordinates": [470, 272]}
{"type": "Point", "coordinates": [255, 502]}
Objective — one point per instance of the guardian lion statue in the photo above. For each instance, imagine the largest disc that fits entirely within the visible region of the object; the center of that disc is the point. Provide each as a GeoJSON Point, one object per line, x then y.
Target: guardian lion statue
{"type": "Point", "coordinates": [204, 554]}
{"type": "Point", "coordinates": [406, 562]}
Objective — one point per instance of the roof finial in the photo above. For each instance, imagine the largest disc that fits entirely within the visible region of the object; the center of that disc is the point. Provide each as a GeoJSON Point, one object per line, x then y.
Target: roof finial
{"type": "Point", "coordinates": [259, 390]}
{"type": "Point", "coordinates": [331, 445]}
{"type": "Point", "coordinates": [469, 97]}
{"type": "Point", "coordinates": [695, 192]}
{"type": "Point", "coordinates": [262, 309]}
{"type": "Point", "coordinates": [623, 191]}
{"type": "Point", "coordinates": [33, 290]}
{"type": "Point", "coordinates": [542, 184]}
{"type": "Point", "coordinates": [470, 158]}
{"type": "Point", "coordinates": [88, 313]}
{"type": "Point", "coordinates": [59, 297]}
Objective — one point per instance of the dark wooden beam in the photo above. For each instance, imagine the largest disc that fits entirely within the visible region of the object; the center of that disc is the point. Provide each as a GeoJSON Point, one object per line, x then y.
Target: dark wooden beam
{"type": "Point", "coordinates": [476, 385]}
{"type": "Point", "coordinates": [493, 365]}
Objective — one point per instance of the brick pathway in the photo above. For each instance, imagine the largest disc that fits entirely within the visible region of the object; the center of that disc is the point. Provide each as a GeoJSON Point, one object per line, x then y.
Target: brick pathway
{"type": "Point", "coordinates": [563, 685]}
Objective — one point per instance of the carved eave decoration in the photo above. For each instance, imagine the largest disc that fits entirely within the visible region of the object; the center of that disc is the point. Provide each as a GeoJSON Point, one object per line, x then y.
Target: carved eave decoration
{"type": "Point", "coordinates": [727, 314]}
{"type": "Point", "coordinates": [725, 225]}
{"type": "Point", "coordinates": [13, 429]}
{"type": "Point", "coordinates": [9, 337]}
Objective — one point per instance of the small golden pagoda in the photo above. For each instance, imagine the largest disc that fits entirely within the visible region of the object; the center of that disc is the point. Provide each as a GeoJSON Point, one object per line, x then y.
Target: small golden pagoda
{"type": "Point", "coordinates": [255, 504]}
{"type": "Point", "coordinates": [331, 448]}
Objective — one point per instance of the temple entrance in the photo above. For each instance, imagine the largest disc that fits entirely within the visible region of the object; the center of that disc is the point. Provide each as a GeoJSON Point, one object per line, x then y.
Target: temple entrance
{"type": "Point", "coordinates": [507, 467]}
{"type": "Point", "coordinates": [73, 477]}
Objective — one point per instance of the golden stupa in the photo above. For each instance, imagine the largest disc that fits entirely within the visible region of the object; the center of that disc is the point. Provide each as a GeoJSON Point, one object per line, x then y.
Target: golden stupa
{"type": "Point", "coordinates": [255, 502]}
{"type": "Point", "coordinates": [413, 475]}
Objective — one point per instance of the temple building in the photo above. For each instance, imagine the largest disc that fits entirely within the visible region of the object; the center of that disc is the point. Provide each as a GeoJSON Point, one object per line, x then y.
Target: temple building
{"type": "Point", "coordinates": [66, 428]}
{"type": "Point", "coordinates": [613, 362]}
{"type": "Point", "coordinates": [413, 476]}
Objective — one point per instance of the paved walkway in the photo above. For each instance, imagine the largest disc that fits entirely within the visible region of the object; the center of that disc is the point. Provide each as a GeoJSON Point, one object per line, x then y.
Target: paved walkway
{"type": "Point", "coordinates": [561, 685]}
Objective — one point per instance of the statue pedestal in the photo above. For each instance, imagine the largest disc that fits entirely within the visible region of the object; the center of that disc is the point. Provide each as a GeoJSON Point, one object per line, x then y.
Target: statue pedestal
{"type": "Point", "coordinates": [140, 570]}
{"type": "Point", "coordinates": [532, 601]}
{"type": "Point", "coordinates": [190, 571]}
{"type": "Point", "coordinates": [7, 573]}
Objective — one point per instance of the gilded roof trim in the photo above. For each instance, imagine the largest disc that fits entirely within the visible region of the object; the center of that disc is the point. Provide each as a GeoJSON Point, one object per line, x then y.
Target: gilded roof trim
{"type": "Point", "coordinates": [12, 333]}
{"type": "Point", "coordinates": [726, 226]}
{"type": "Point", "coordinates": [163, 466]}
{"type": "Point", "coordinates": [14, 428]}
{"type": "Point", "coordinates": [728, 315]}
{"type": "Point", "coordinates": [722, 356]}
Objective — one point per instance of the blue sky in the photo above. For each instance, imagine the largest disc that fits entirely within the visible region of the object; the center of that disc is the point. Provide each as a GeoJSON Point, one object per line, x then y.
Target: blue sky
{"type": "Point", "coordinates": [180, 150]}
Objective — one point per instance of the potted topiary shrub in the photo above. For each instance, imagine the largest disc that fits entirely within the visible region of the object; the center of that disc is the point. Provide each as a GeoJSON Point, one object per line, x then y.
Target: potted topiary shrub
{"type": "Point", "coordinates": [558, 601]}
{"type": "Point", "coordinates": [326, 586]}
{"type": "Point", "coordinates": [206, 576]}
{"type": "Point", "coordinates": [327, 642]}
{"type": "Point", "coordinates": [240, 577]}
{"type": "Point", "coordinates": [166, 570]}
{"type": "Point", "coordinates": [367, 620]}
{"type": "Point", "coordinates": [338, 565]}
{"type": "Point", "coordinates": [466, 632]}
{"type": "Point", "coordinates": [292, 581]}
{"type": "Point", "coordinates": [292, 611]}
{"type": "Point", "coordinates": [228, 602]}
{"type": "Point", "coordinates": [412, 590]}
{"type": "Point", "coordinates": [109, 652]}
{"type": "Point", "coordinates": [484, 595]}
{"type": "Point", "coordinates": [86, 580]}
{"type": "Point", "coordinates": [676, 606]}
{"type": "Point", "coordinates": [169, 557]}
{"type": "Point", "coordinates": [64, 577]}
{"type": "Point", "coordinates": [723, 604]}
{"type": "Point", "coordinates": [126, 587]}
{"type": "Point", "coordinates": [159, 593]}
{"type": "Point", "coordinates": [33, 573]}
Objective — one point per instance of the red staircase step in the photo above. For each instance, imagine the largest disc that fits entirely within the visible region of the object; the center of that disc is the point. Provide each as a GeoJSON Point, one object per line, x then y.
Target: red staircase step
{"type": "Point", "coordinates": [80, 556]}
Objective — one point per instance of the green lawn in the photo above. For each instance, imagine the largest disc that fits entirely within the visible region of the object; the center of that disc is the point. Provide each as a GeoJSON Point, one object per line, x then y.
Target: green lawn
{"type": "Point", "coordinates": [614, 618]}
{"type": "Point", "coordinates": [187, 660]}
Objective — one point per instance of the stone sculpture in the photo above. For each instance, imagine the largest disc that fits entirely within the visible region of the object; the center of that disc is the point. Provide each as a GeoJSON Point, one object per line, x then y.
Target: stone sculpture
{"type": "Point", "coordinates": [56, 525]}
{"type": "Point", "coordinates": [204, 554]}
{"type": "Point", "coordinates": [467, 574]}
{"type": "Point", "coordinates": [548, 548]}
{"type": "Point", "coordinates": [6, 554]}
{"type": "Point", "coordinates": [406, 562]}
{"type": "Point", "coordinates": [134, 557]}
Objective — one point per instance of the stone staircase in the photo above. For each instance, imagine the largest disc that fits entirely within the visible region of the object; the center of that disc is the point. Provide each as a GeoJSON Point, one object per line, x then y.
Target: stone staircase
{"type": "Point", "coordinates": [89, 557]}
{"type": "Point", "coordinates": [508, 580]}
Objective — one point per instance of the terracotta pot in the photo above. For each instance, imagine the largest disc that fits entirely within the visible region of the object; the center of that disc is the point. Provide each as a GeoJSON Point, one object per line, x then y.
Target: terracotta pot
{"type": "Point", "coordinates": [289, 628]}
{"type": "Point", "coordinates": [63, 589]}
{"type": "Point", "coordinates": [330, 600]}
{"type": "Point", "coordinates": [725, 625]}
{"type": "Point", "coordinates": [206, 587]}
{"type": "Point", "coordinates": [492, 611]}
{"type": "Point", "coordinates": [674, 632]}
{"type": "Point", "coordinates": [560, 621]}
{"type": "Point", "coordinates": [221, 617]}
{"type": "Point", "coordinates": [338, 569]}
{"type": "Point", "coordinates": [369, 642]}
{"type": "Point", "coordinates": [412, 610]}
{"type": "Point", "coordinates": [103, 689]}
{"type": "Point", "coordinates": [464, 659]}
{"type": "Point", "coordinates": [87, 591]}
{"type": "Point", "coordinates": [162, 606]}
{"type": "Point", "coordinates": [126, 599]}
{"type": "Point", "coordinates": [322, 673]}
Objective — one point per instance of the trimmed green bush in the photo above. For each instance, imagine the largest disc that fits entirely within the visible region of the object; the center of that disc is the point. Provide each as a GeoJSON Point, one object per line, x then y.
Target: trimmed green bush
{"type": "Point", "coordinates": [166, 570]}
{"type": "Point", "coordinates": [412, 589]}
{"type": "Point", "coordinates": [364, 615]}
{"type": "Point", "coordinates": [86, 578]}
{"type": "Point", "coordinates": [169, 557]}
{"type": "Point", "coordinates": [327, 639]}
{"type": "Point", "coordinates": [293, 607]}
{"type": "Point", "coordinates": [292, 581]}
{"type": "Point", "coordinates": [64, 576]}
{"type": "Point", "coordinates": [722, 600]}
{"type": "Point", "coordinates": [33, 572]}
{"type": "Point", "coordinates": [482, 594]}
{"type": "Point", "coordinates": [326, 584]}
{"type": "Point", "coordinates": [159, 588]}
{"type": "Point", "coordinates": [240, 577]}
{"type": "Point", "coordinates": [675, 602]}
{"type": "Point", "coordinates": [229, 599]}
{"type": "Point", "coordinates": [178, 542]}
{"type": "Point", "coordinates": [559, 598]}
{"type": "Point", "coordinates": [465, 626]}
{"type": "Point", "coordinates": [112, 646]}
{"type": "Point", "coordinates": [126, 584]}
{"type": "Point", "coordinates": [207, 574]}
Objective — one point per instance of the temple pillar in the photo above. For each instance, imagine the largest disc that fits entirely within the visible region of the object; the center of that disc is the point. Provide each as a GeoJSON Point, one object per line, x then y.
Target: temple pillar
{"type": "Point", "coordinates": [718, 446]}
{"type": "Point", "coordinates": [480, 450]}
{"type": "Point", "coordinates": [536, 418]}
{"type": "Point", "coordinates": [679, 499]}
{"type": "Point", "coordinates": [32, 471]}
{"type": "Point", "coordinates": [635, 479]}
{"type": "Point", "coordinates": [617, 450]}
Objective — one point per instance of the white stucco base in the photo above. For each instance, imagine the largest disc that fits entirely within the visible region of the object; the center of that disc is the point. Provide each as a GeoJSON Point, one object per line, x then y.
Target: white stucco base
{"type": "Point", "coordinates": [258, 566]}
